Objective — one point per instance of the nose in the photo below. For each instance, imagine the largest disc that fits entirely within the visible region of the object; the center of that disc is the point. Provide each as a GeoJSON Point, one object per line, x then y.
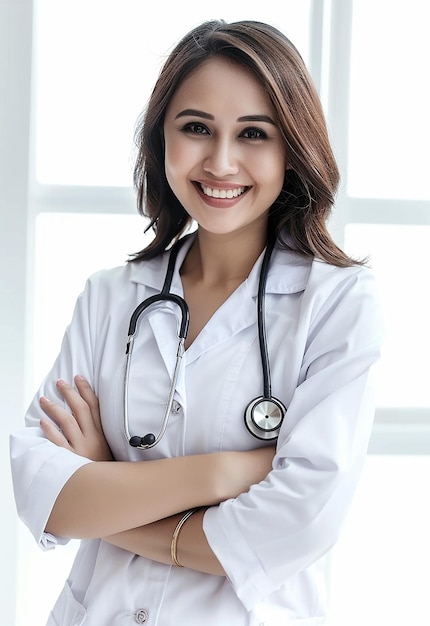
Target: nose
{"type": "Point", "coordinates": [221, 158]}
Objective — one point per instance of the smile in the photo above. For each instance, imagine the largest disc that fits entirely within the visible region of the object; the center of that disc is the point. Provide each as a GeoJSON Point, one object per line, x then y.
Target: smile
{"type": "Point", "coordinates": [222, 193]}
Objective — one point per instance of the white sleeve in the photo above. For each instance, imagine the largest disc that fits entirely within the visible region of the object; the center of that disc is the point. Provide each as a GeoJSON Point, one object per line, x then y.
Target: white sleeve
{"type": "Point", "coordinates": [40, 469]}
{"type": "Point", "coordinates": [292, 518]}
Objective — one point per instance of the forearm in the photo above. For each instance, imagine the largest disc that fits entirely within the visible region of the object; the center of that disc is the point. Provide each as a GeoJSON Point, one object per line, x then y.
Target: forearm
{"type": "Point", "coordinates": [105, 498]}
{"type": "Point", "coordinates": [154, 542]}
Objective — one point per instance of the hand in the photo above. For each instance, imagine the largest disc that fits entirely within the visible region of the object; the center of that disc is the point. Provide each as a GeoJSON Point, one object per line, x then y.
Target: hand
{"type": "Point", "coordinates": [81, 430]}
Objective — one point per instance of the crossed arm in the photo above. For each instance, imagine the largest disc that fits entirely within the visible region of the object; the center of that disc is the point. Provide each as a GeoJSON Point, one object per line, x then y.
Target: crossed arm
{"type": "Point", "coordinates": [101, 498]}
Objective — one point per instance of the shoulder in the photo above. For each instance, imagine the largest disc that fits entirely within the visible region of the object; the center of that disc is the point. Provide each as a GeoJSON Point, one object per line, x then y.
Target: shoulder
{"type": "Point", "coordinates": [346, 300]}
{"type": "Point", "coordinates": [111, 278]}
{"type": "Point", "coordinates": [325, 288]}
{"type": "Point", "coordinates": [330, 279]}
{"type": "Point", "coordinates": [120, 287]}
{"type": "Point", "coordinates": [117, 278]}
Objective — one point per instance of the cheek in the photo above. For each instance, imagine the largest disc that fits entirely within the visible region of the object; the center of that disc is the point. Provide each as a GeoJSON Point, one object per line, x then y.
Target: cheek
{"type": "Point", "coordinates": [270, 172]}
{"type": "Point", "coordinates": [172, 159]}
{"type": "Point", "coordinates": [180, 158]}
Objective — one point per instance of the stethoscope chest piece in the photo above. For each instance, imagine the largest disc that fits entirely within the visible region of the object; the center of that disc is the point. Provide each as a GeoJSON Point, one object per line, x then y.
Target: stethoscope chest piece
{"type": "Point", "coordinates": [264, 416]}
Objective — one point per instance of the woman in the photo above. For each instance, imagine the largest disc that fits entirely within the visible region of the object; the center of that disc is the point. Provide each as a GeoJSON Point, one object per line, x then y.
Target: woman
{"type": "Point", "coordinates": [234, 141]}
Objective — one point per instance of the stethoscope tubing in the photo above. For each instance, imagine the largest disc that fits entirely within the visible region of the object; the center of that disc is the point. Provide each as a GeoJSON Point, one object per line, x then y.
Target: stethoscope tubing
{"type": "Point", "coordinates": [261, 320]}
{"type": "Point", "coordinates": [160, 297]}
{"type": "Point", "coordinates": [182, 334]}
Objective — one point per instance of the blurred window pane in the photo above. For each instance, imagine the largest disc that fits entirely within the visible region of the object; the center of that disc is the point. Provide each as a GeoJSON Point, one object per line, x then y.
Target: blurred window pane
{"type": "Point", "coordinates": [96, 63]}
{"type": "Point", "coordinates": [389, 100]}
{"type": "Point", "coordinates": [379, 568]}
{"type": "Point", "coordinates": [70, 247]}
{"type": "Point", "coordinates": [399, 257]}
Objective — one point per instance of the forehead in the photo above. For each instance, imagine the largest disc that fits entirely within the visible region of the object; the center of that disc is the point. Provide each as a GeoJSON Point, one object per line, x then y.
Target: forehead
{"type": "Point", "coordinates": [222, 84]}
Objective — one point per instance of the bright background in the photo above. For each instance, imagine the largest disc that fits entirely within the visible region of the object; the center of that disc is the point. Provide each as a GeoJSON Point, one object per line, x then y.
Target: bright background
{"type": "Point", "coordinates": [73, 78]}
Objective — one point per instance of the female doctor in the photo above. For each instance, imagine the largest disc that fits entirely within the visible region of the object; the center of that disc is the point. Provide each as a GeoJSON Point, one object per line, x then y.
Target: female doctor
{"type": "Point", "coordinates": [201, 519]}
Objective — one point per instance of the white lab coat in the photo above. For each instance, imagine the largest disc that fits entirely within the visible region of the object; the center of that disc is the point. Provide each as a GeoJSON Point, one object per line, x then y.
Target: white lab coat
{"type": "Point", "coordinates": [324, 335]}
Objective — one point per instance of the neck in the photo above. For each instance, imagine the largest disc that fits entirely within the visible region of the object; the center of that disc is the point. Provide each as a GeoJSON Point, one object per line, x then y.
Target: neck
{"type": "Point", "coordinates": [215, 259]}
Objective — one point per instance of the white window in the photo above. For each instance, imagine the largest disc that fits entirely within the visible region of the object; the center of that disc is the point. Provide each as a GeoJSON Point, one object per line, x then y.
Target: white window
{"type": "Point", "coordinates": [382, 130]}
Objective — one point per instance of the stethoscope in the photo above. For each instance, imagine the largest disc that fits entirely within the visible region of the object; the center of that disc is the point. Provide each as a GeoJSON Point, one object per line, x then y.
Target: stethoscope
{"type": "Point", "coordinates": [263, 415]}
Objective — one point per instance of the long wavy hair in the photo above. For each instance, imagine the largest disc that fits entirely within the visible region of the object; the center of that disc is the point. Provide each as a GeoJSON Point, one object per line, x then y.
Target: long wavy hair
{"type": "Point", "coordinates": [298, 217]}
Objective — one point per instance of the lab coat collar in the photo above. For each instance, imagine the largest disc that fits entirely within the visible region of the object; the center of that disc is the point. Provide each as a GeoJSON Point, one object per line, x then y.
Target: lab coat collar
{"type": "Point", "coordinates": [239, 312]}
{"type": "Point", "coordinates": [288, 272]}
{"type": "Point", "coordinates": [152, 273]}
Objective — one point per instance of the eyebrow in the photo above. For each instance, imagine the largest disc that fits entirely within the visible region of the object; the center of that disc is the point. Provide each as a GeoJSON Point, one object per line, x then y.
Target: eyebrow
{"type": "Point", "coordinates": [208, 116]}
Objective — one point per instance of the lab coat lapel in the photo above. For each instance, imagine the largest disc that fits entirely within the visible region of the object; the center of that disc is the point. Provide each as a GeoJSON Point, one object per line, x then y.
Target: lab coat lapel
{"type": "Point", "coordinates": [233, 316]}
{"type": "Point", "coordinates": [236, 314]}
{"type": "Point", "coordinates": [164, 322]}
{"type": "Point", "coordinates": [288, 273]}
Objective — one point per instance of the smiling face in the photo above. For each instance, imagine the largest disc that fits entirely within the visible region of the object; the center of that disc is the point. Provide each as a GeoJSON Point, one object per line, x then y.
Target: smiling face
{"type": "Point", "coordinates": [224, 155]}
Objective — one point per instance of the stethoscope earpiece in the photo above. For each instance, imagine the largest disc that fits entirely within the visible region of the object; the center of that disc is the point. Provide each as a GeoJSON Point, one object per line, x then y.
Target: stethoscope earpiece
{"type": "Point", "coordinates": [145, 442]}
{"type": "Point", "coordinates": [264, 416]}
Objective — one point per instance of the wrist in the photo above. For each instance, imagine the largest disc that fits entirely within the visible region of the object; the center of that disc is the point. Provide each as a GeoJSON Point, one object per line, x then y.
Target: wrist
{"type": "Point", "coordinates": [175, 536]}
{"type": "Point", "coordinates": [222, 476]}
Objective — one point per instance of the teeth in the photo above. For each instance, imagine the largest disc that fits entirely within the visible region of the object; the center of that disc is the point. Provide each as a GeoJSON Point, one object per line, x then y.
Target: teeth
{"type": "Point", "coordinates": [222, 193]}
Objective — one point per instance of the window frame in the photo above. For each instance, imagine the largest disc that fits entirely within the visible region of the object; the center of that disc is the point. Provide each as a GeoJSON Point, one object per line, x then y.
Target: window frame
{"type": "Point", "coordinates": [15, 91]}
{"type": "Point", "coordinates": [399, 430]}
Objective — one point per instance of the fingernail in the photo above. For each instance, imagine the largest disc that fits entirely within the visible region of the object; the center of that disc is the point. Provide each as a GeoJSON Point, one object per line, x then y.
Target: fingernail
{"type": "Point", "coordinates": [79, 377]}
{"type": "Point", "coordinates": [60, 382]}
{"type": "Point", "coordinates": [43, 400]}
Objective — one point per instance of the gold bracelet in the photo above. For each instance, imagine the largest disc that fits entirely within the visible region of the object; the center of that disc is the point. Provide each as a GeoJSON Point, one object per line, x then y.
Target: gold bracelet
{"type": "Point", "coordinates": [174, 544]}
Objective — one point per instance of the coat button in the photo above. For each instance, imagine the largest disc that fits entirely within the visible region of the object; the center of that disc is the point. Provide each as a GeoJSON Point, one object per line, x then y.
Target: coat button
{"type": "Point", "coordinates": [141, 616]}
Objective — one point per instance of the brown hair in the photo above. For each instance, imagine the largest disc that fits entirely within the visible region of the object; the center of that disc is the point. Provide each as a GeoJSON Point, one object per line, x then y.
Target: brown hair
{"type": "Point", "coordinates": [304, 204]}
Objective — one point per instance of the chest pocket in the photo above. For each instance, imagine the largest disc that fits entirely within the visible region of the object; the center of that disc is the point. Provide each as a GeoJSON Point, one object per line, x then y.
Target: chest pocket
{"type": "Point", "coordinates": [67, 610]}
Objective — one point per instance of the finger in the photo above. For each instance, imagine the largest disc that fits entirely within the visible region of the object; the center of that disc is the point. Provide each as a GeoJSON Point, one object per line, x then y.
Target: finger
{"type": "Point", "coordinates": [53, 427]}
{"type": "Point", "coordinates": [86, 392]}
{"type": "Point", "coordinates": [54, 435]}
{"type": "Point", "coordinates": [78, 406]}
{"type": "Point", "coordinates": [64, 420]}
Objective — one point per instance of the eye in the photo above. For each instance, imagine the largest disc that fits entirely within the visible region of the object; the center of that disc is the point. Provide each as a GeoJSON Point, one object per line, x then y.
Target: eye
{"type": "Point", "coordinates": [195, 128]}
{"type": "Point", "coordinates": [253, 133]}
